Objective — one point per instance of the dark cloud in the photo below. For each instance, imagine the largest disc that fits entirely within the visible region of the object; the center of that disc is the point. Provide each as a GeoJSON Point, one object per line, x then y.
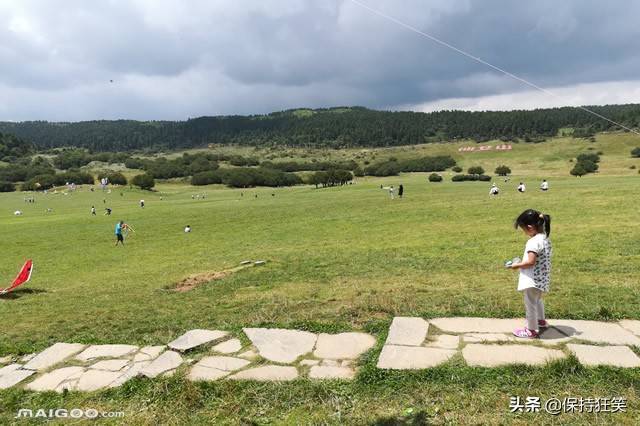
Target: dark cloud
{"type": "Point", "coordinates": [171, 59]}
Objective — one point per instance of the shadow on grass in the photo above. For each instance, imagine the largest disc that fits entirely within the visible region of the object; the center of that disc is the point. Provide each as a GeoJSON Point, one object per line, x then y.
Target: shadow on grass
{"type": "Point", "coordinates": [419, 418]}
{"type": "Point", "coordinates": [16, 294]}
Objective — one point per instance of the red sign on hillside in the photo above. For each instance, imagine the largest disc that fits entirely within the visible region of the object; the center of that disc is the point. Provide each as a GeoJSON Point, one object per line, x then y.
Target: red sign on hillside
{"type": "Point", "coordinates": [503, 147]}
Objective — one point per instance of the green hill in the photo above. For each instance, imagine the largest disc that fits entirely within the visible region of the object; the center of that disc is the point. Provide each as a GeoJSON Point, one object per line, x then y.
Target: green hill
{"type": "Point", "coordinates": [334, 127]}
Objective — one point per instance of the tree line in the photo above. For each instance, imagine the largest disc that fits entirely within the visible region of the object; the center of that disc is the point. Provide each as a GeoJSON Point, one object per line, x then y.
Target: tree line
{"type": "Point", "coordinates": [333, 127]}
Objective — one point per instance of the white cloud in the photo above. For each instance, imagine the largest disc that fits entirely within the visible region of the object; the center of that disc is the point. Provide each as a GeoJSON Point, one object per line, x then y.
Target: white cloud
{"type": "Point", "coordinates": [616, 92]}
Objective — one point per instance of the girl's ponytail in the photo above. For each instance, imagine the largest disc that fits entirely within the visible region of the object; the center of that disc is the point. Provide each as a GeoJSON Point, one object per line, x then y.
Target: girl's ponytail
{"type": "Point", "coordinates": [547, 224]}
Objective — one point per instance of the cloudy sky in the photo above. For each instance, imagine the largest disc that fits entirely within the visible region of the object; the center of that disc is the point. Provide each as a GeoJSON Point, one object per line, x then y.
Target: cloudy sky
{"type": "Point", "coordinates": [175, 59]}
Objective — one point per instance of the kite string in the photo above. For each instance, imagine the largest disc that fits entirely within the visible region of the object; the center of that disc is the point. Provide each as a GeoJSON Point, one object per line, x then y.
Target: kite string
{"type": "Point", "coordinates": [477, 59]}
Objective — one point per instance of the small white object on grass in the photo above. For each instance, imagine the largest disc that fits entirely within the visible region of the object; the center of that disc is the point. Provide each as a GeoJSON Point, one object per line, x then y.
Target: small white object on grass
{"type": "Point", "coordinates": [18, 213]}
{"type": "Point", "coordinates": [259, 262]}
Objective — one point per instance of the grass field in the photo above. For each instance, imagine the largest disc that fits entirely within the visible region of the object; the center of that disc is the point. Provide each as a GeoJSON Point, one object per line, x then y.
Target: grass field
{"type": "Point", "coordinates": [338, 259]}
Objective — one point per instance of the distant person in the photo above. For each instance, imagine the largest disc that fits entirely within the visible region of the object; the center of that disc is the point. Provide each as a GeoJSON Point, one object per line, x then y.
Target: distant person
{"type": "Point", "coordinates": [93, 210]}
{"type": "Point", "coordinates": [107, 211]}
{"type": "Point", "coordinates": [400, 190]}
{"type": "Point", "coordinates": [535, 270]}
{"type": "Point", "coordinates": [391, 190]}
{"type": "Point", "coordinates": [494, 189]}
{"type": "Point", "coordinates": [187, 229]}
{"type": "Point", "coordinates": [521, 187]}
{"type": "Point", "coordinates": [544, 186]}
{"type": "Point", "coordinates": [142, 204]}
{"type": "Point", "coordinates": [120, 227]}
{"type": "Point", "coordinates": [104, 201]}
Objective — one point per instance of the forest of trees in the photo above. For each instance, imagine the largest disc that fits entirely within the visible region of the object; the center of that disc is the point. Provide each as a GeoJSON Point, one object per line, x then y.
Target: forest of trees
{"type": "Point", "coordinates": [334, 127]}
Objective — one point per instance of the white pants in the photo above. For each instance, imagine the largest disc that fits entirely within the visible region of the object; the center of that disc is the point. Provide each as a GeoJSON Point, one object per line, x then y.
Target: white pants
{"type": "Point", "coordinates": [534, 307]}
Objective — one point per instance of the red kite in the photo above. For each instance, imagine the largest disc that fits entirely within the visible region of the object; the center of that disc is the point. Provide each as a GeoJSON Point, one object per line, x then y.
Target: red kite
{"type": "Point", "coordinates": [23, 276]}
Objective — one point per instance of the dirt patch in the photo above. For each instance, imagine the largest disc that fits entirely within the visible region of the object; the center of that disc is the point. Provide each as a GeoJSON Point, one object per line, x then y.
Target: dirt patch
{"type": "Point", "coordinates": [195, 280]}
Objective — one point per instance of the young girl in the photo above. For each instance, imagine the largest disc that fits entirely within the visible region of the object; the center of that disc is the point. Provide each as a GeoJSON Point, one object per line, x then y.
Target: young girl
{"type": "Point", "coordinates": [535, 270]}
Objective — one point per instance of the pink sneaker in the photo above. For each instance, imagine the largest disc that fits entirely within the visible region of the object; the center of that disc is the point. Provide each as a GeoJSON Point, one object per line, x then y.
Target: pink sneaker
{"type": "Point", "coordinates": [525, 333]}
{"type": "Point", "coordinates": [543, 324]}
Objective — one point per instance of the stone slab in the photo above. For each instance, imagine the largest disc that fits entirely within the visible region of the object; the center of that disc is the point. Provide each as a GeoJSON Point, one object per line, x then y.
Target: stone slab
{"type": "Point", "coordinates": [631, 325]}
{"type": "Point", "coordinates": [229, 347]}
{"type": "Point", "coordinates": [597, 332]}
{"type": "Point", "coordinates": [53, 355]}
{"type": "Point", "coordinates": [26, 358]}
{"type": "Point", "coordinates": [9, 368]}
{"type": "Point", "coordinates": [53, 380]}
{"type": "Point", "coordinates": [476, 325]}
{"type": "Point", "coordinates": [93, 380]}
{"type": "Point", "coordinates": [445, 341]}
{"type": "Point", "coordinates": [412, 357]}
{"type": "Point", "coordinates": [110, 365]}
{"type": "Point", "coordinates": [281, 345]}
{"type": "Point", "coordinates": [614, 356]}
{"type": "Point", "coordinates": [487, 337]}
{"type": "Point", "coordinates": [169, 360]}
{"type": "Point", "coordinates": [408, 331]}
{"type": "Point", "coordinates": [343, 345]}
{"type": "Point", "coordinates": [149, 353]}
{"type": "Point", "coordinates": [224, 363]}
{"type": "Point", "coordinates": [195, 338]}
{"type": "Point", "coordinates": [6, 359]}
{"type": "Point", "coordinates": [267, 373]}
{"type": "Point", "coordinates": [329, 363]}
{"type": "Point", "coordinates": [551, 336]}
{"type": "Point", "coordinates": [130, 373]}
{"type": "Point", "coordinates": [479, 355]}
{"type": "Point", "coordinates": [106, 351]}
{"type": "Point", "coordinates": [205, 374]}
{"type": "Point", "coordinates": [14, 377]}
{"type": "Point", "coordinates": [309, 362]}
{"type": "Point", "coordinates": [322, 372]}
{"type": "Point", "coordinates": [251, 354]}
{"type": "Point", "coordinates": [153, 351]}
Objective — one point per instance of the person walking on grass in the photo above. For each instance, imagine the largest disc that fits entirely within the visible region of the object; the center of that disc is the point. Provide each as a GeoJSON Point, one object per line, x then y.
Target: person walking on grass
{"type": "Point", "coordinates": [544, 186]}
{"type": "Point", "coordinates": [391, 192]}
{"type": "Point", "coordinates": [535, 270]}
{"type": "Point", "coordinates": [93, 210]}
{"type": "Point", "coordinates": [400, 191]}
{"type": "Point", "coordinates": [120, 228]}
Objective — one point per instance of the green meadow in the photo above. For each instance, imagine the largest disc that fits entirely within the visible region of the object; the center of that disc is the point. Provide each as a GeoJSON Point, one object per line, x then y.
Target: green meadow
{"type": "Point", "coordinates": [338, 259]}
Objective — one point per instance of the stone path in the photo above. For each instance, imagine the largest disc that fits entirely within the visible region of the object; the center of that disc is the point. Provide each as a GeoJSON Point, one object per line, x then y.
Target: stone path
{"type": "Point", "coordinates": [265, 354]}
